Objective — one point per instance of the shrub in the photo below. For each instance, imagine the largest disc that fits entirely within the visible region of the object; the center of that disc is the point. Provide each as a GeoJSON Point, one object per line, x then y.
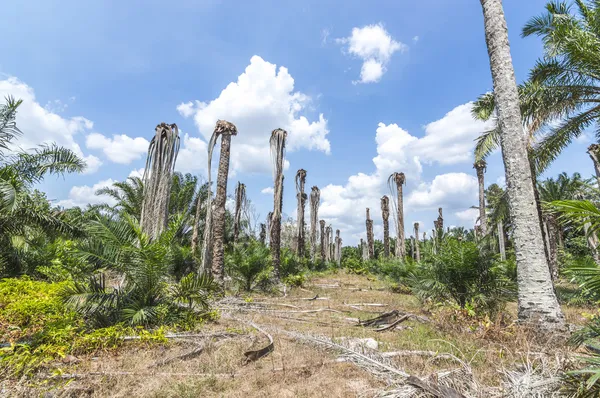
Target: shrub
{"type": "Point", "coordinates": [249, 265]}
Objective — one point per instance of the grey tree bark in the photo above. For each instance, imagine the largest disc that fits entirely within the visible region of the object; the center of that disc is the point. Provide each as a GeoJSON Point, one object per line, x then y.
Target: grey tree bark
{"type": "Point", "coordinates": [315, 197]}
{"type": "Point", "coordinates": [480, 167]}
{"type": "Point", "coordinates": [417, 248]}
{"type": "Point", "coordinates": [370, 237]}
{"type": "Point", "coordinates": [399, 179]}
{"type": "Point", "coordinates": [536, 297]}
{"type": "Point", "coordinates": [301, 196]}
{"type": "Point", "coordinates": [385, 214]}
{"type": "Point", "coordinates": [551, 232]}
{"type": "Point", "coordinates": [323, 251]}
{"type": "Point", "coordinates": [240, 201]}
{"type": "Point", "coordinates": [263, 233]}
{"type": "Point", "coordinates": [594, 152]}
{"type": "Point", "coordinates": [501, 244]}
{"type": "Point", "coordinates": [277, 144]}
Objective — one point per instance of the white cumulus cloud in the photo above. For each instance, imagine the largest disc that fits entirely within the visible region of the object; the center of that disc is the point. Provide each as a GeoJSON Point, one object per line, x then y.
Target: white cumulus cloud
{"type": "Point", "coordinates": [82, 195]}
{"type": "Point", "coordinates": [268, 191]}
{"type": "Point", "coordinates": [120, 149]}
{"type": "Point", "coordinates": [375, 47]}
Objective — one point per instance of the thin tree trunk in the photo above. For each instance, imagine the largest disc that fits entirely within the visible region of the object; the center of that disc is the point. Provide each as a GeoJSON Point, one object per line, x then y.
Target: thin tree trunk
{"type": "Point", "coordinates": [323, 253]}
{"type": "Point", "coordinates": [501, 244]}
{"type": "Point", "coordinates": [328, 243]}
{"type": "Point", "coordinates": [417, 243]}
{"type": "Point", "coordinates": [218, 256]}
{"type": "Point", "coordinates": [440, 225]}
{"type": "Point", "coordinates": [240, 199]}
{"type": "Point", "coordinates": [315, 197]}
{"type": "Point", "coordinates": [275, 234]}
{"type": "Point", "coordinates": [480, 167]}
{"type": "Point", "coordinates": [370, 237]}
{"type": "Point", "coordinates": [537, 300]}
{"type": "Point", "coordinates": [277, 144]}
{"type": "Point", "coordinates": [399, 179]}
{"type": "Point", "coordinates": [263, 233]}
{"type": "Point", "coordinates": [550, 223]}
{"type": "Point", "coordinates": [338, 247]}
{"type": "Point", "coordinates": [413, 254]}
{"type": "Point", "coordinates": [301, 196]}
{"type": "Point", "coordinates": [385, 214]}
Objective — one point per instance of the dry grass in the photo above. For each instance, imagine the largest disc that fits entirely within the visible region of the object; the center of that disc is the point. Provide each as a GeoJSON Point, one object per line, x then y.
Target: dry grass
{"type": "Point", "coordinates": [295, 369]}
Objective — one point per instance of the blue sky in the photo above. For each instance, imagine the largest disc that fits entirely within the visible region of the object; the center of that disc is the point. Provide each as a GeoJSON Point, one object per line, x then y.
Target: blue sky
{"type": "Point", "coordinates": [363, 89]}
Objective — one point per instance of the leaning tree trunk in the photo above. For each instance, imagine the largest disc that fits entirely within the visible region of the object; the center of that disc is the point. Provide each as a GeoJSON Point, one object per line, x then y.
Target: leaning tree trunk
{"type": "Point", "coordinates": [301, 196]}
{"type": "Point", "coordinates": [501, 244]}
{"type": "Point", "coordinates": [417, 249]}
{"type": "Point", "coordinates": [537, 300]}
{"type": "Point", "coordinates": [323, 251]}
{"type": "Point", "coordinates": [277, 144]}
{"type": "Point", "coordinates": [240, 202]}
{"type": "Point", "coordinates": [594, 152]}
{"type": "Point", "coordinates": [315, 197]}
{"type": "Point", "coordinates": [551, 231]}
{"type": "Point", "coordinates": [480, 167]}
{"type": "Point", "coordinates": [385, 214]}
{"type": "Point", "coordinates": [399, 179]}
{"type": "Point", "coordinates": [370, 237]}
{"type": "Point", "coordinates": [158, 175]}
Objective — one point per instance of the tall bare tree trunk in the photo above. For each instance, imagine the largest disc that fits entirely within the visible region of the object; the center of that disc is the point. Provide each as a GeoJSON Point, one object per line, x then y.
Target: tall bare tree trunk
{"type": "Point", "coordinates": [551, 229]}
{"type": "Point", "coordinates": [328, 234]}
{"type": "Point", "coordinates": [158, 176]}
{"type": "Point", "coordinates": [417, 249]}
{"type": "Point", "coordinates": [315, 198]}
{"type": "Point", "coordinates": [370, 237]}
{"type": "Point", "coordinates": [301, 196]}
{"type": "Point", "coordinates": [537, 300]}
{"type": "Point", "coordinates": [226, 130]}
{"type": "Point", "coordinates": [365, 250]}
{"type": "Point", "coordinates": [338, 247]}
{"type": "Point", "coordinates": [263, 233]}
{"type": "Point", "coordinates": [594, 152]}
{"type": "Point", "coordinates": [385, 214]}
{"type": "Point", "coordinates": [440, 225]}
{"type": "Point", "coordinates": [277, 143]}
{"type": "Point", "coordinates": [480, 167]}
{"type": "Point", "coordinates": [399, 179]}
{"type": "Point", "coordinates": [323, 238]}
{"type": "Point", "coordinates": [501, 244]}
{"type": "Point", "coordinates": [240, 202]}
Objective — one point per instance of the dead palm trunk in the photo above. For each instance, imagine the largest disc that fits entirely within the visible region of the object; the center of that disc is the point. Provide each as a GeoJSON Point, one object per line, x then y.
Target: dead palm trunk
{"type": "Point", "coordinates": [263, 233]}
{"type": "Point", "coordinates": [551, 231]}
{"type": "Point", "coordinates": [301, 196]}
{"type": "Point", "coordinates": [385, 214]}
{"type": "Point", "coordinates": [594, 152]}
{"type": "Point", "coordinates": [501, 244]}
{"type": "Point", "coordinates": [365, 250]}
{"type": "Point", "coordinates": [240, 203]}
{"type": "Point", "coordinates": [277, 143]}
{"type": "Point", "coordinates": [440, 225]}
{"type": "Point", "coordinates": [399, 179]}
{"type": "Point", "coordinates": [158, 175]}
{"type": "Point", "coordinates": [537, 300]}
{"type": "Point", "coordinates": [338, 247]}
{"type": "Point", "coordinates": [322, 225]}
{"type": "Point", "coordinates": [480, 167]}
{"type": "Point", "coordinates": [315, 198]}
{"type": "Point", "coordinates": [370, 237]}
{"type": "Point", "coordinates": [225, 130]}
{"type": "Point", "coordinates": [417, 249]}
{"type": "Point", "coordinates": [328, 243]}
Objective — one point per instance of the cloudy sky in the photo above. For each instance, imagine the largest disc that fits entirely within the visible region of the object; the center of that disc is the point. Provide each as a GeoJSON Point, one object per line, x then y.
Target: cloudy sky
{"type": "Point", "coordinates": [363, 89]}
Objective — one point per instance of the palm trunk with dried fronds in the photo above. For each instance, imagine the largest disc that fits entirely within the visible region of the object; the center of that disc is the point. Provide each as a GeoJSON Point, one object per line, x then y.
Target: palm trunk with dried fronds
{"type": "Point", "coordinates": [301, 196]}
{"type": "Point", "coordinates": [315, 198]}
{"type": "Point", "coordinates": [399, 180]}
{"type": "Point", "coordinates": [277, 144]}
{"type": "Point", "coordinates": [440, 225]}
{"type": "Point", "coordinates": [385, 214]}
{"type": "Point", "coordinates": [240, 204]}
{"type": "Point", "coordinates": [158, 175]}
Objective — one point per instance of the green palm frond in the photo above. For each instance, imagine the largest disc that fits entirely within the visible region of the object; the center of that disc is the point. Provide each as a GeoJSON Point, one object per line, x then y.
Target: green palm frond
{"type": "Point", "coordinates": [8, 125]}
{"type": "Point", "coordinates": [486, 143]}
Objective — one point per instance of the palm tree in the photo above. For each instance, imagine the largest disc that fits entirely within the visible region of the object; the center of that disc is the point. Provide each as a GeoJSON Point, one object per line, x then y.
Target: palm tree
{"type": "Point", "coordinates": [417, 249]}
{"type": "Point", "coordinates": [225, 129]}
{"type": "Point", "coordinates": [277, 143]}
{"type": "Point", "coordinates": [328, 243]}
{"type": "Point", "coordinates": [301, 196]}
{"type": "Point", "coordinates": [480, 167]}
{"type": "Point", "coordinates": [338, 247]}
{"type": "Point", "coordinates": [315, 198]}
{"type": "Point", "coordinates": [370, 237]}
{"type": "Point", "coordinates": [537, 301]}
{"type": "Point", "coordinates": [158, 174]}
{"type": "Point", "coordinates": [323, 238]}
{"type": "Point", "coordinates": [399, 179]}
{"type": "Point", "coordinates": [263, 233]}
{"type": "Point", "coordinates": [240, 203]}
{"type": "Point", "coordinates": [594, 152]}
{"type": "Point", "coordinates": [439, 224]}
{"type": "Point", "coordinates": [385, 214]}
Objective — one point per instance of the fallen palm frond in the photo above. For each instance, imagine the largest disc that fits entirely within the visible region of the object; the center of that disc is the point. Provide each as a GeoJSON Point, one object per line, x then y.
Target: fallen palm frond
{"type": "Point", "coordinates": [255, 355]}
{"type": "Point", "coordinates": [198, 349]}
{"type": "Point", "coordinates": [383, 319]}
{"type": "Point", "coordinates": [393, 325]}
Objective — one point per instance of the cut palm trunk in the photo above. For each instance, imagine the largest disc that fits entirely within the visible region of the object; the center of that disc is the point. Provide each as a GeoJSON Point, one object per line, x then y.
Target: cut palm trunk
{"type": "Point", "coordinates": [370, 237]}
{"type": "Point", "coordinates": [301, 196]}
{"type": "Point", "coordinates": [399, 180]}
{"type": "Point", "coordinates": [537, 301]}
{"type": "Point", "coordinates": [385, 215]}
{"type": "Point", "coordinates": [240, 204]}
{"type": "Point", "coordinates": [338, 247]}
{"type": "Point", "coordinates": [158, 176]}
{"type": "Point", "coordinates": [417, 243]}
{"type": "Point", "coordinates": [315, 197]}
{"type": "Point", "coordinates": [480, 167]}
{"type": "Point", "coordinates": [277, 144]}
{"type": "Point", "coordinates": [323, 239]}
{"type": "Point", "coordinates": [501, 244]}
{"type": "Point", "coordinates": [328, 243]}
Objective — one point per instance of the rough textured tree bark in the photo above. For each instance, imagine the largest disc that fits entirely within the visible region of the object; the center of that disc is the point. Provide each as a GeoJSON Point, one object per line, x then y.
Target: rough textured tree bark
{"type": "Point", "coordinates": [263, 233]}
{"type": "Point", "coordinates": [323, 251]}
{"type": "Point", "coordinates": [277, 143]}
{"type": "Point", "coordinates": [385, 214]}
{"type": "Point", "coordinates": [240, 202]}
{"type": "Point", "coordinates": [315, 198]}
{"type": "Point", "coordinates": [301, 196]}
{"type": "Point", "coordinates": [338, 247]}
{"type": "Point", "coordinates": [501, 244]}
{"type": "Point", "coordinates": [537, 300]}
{"type": "Point", "coordinates": [480, 167]}
{"type": "Point", "coordinates": [440, 225]}
{"type": "Point", "coordinates": [226, 130]}
{"type": "Point", "coordinates": [594, 152]}
{"type": "Point", "coordinates": [413, 254]}
{"type": "Point", "coordinates": [551, 231]}
{"type": "Point", "coordinates": [328, 234]}
{"type": "Point", "coordinates": [399, 179]}
{"type": "Point", "coordinates": [365, 250]}
{"type": "Point", "coordinates": [158, 175]}
{"type": "Point", "coordinates": [370, 237]}
{"type": "Point", "coordinates": [417, 244]}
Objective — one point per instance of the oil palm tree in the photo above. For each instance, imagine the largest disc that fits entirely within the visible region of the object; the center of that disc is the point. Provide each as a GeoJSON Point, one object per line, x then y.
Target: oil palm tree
{"type": "Point", "coordinates": [158, 174]}
{"type": "Point", "coordinates": [398, 179]}
{"type": "Point", "coordinates": [417, 248]}
{"type": "Point", "coordinates": [385, 214]}
{"type": "Point", "coordinates": [323, 238]}
{"type": "Point", "coordinates": [480, 167]}
{"type": "Point", "coordinates": [315, 198]}
{"type": "Point", "coordinates": [277, 144]}
{"type": "Point", "coordinates": [370, 237]}
{"type": "Point", "coordinates": [536, 298]}
{"type": "Point", "coordinates": [301, 196]}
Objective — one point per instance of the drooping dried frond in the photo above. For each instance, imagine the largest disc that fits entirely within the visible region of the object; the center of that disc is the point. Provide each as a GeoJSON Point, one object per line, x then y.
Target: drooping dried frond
{"type": "Point", "coordinates": [241, 203]}
{"type": "Point", "coordinates": [395, 182]}
{"type": "Point", "coordinates": [158, 173]}
{"type": "Point", "coordinates": [315, 198]}
{"type": "Point", "coordinates": [277, 145]}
